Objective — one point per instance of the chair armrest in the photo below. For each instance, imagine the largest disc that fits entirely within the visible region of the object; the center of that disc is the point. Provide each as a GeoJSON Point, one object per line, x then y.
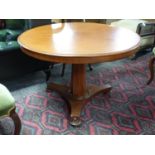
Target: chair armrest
{"type": "Point", "coordinates": [146, 29]}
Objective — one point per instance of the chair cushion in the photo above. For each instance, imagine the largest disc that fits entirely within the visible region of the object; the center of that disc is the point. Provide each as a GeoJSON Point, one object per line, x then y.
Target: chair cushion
{"type": "Point", "coordinates": [10, 45]}
{"type": "Point", "coordinates": [7, 102]}
{"type": "Point", "coordinates": [146, 41]}
{"type": "Point", "coordinates": [12, 34]}
{"type": "Point", "coordinates": [3, 34]}
{"type": "Point", "coordinates": [9, 35]}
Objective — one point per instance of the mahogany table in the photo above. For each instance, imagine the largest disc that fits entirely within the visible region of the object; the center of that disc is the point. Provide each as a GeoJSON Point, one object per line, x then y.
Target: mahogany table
{"type": "Point", "coordinates": [78, 44]}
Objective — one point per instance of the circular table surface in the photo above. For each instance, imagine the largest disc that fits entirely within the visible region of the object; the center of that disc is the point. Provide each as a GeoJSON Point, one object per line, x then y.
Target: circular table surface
{"type": "Point", "coordinates": [79, 43]}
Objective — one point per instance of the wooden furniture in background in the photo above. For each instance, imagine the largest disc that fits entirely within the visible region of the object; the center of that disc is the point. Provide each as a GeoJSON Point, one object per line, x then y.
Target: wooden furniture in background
{"type": "Point", "coordinates": [78, 44]}
{"type": "Point", "coordinates": [151, 67]}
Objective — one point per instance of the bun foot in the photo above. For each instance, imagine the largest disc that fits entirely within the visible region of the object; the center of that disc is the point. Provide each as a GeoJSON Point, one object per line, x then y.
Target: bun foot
{"type": "Point", "coordinates": [75, 121]}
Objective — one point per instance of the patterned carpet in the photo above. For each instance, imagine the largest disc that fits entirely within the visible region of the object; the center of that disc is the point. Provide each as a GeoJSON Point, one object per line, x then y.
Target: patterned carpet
{"type": "Point", "coordinates": [128, 109]}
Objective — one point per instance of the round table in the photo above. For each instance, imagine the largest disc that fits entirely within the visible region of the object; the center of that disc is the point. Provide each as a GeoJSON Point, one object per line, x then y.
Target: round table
{"type": "Point", "coordinates": [78, 44]}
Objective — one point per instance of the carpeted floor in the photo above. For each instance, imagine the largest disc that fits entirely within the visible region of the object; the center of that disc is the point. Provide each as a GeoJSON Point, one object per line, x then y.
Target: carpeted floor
{"type": "Point", "coordinates": [128, 109]}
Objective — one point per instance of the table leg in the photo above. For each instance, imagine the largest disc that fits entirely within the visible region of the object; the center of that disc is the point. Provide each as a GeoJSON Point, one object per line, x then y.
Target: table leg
{"type": "Point", "coordinates": [78, 90]}
{"type": "Point", "coordinates": [78, 94]}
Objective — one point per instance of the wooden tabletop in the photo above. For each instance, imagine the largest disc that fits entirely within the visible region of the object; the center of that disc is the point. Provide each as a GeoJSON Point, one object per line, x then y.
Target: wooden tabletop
{"type": "Point", "coordinates": [79, 43]}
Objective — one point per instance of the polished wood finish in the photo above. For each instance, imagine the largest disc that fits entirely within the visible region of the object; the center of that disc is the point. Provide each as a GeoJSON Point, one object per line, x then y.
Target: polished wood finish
{"type": "Point", "coordinates": [78, 83]}
{"type": "Point", "coordinates": [76, 103]}
{"type": "Point", "coordinates": [16, 120]}
{"type": "Point", "coordinates": [151, 63]}
{"type": "Point", "coordinates": [78, 44]}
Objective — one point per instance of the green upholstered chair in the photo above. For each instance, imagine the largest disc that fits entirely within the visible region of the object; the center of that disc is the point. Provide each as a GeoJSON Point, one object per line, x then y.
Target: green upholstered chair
{"type": "Point", "coordinates": [7, 108]}
{"type": "Point", "coordinates": [13, 62]}
{"type": "Point", "coordinates": [8, 35]}
{"type": "Point", "coordinates": [151, 63]}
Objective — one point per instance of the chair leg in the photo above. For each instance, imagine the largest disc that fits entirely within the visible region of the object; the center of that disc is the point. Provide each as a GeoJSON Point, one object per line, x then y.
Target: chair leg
{"type": "Point", "coordinates": [63, 70]}
{"type": "Point", "coordinates": [90, 67]}
{"type": "Point", "coordinates": [48, 72]}
{"type": "Point", "coordinates": [52, 65]}
{"type": "Point", "coordinates": [16, 120]}
{"type": "Point", "coordinates": [151, 62]}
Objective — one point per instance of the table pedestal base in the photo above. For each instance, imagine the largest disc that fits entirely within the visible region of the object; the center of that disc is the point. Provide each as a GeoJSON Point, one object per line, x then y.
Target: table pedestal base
{"type": "Point", "coordinates": [75, 104]}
